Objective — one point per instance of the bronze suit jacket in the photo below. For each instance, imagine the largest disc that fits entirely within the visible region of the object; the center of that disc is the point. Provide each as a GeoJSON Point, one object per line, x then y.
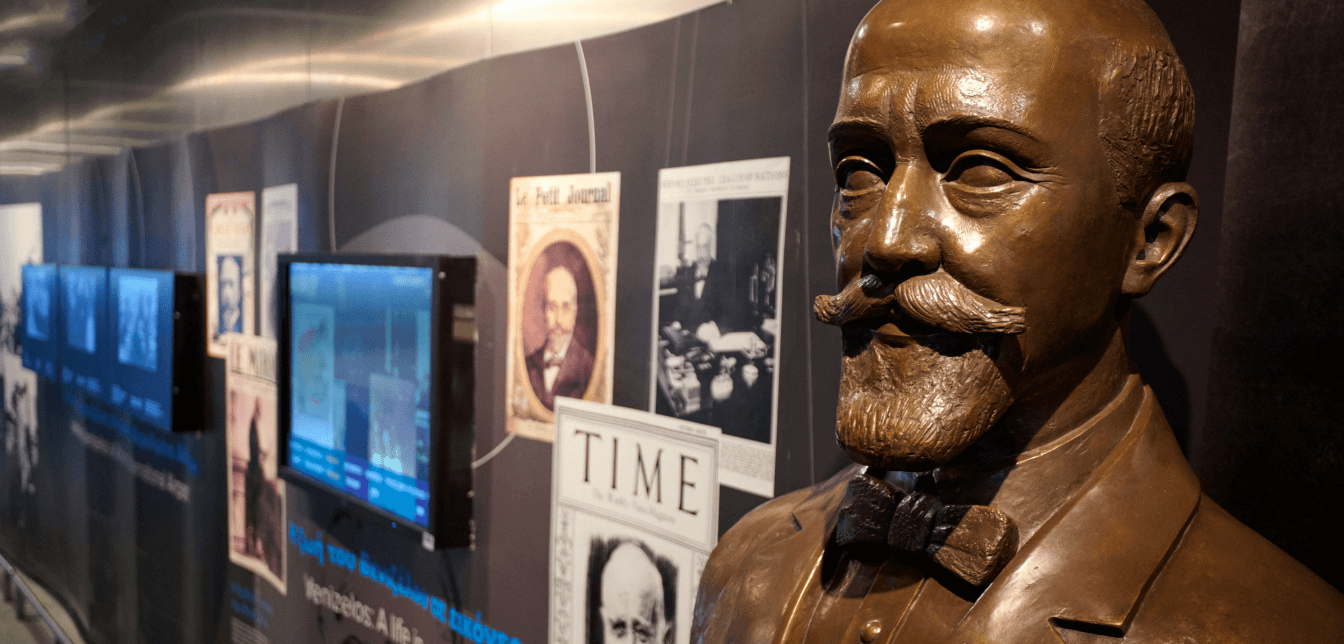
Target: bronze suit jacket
{"type": "Point", "coordinates": [1138, 554]}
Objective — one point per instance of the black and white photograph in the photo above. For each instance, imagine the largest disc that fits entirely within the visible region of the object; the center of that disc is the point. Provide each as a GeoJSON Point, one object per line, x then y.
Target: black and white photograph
{"type": "Point", "coordinates": [21, 244]}
{"type": "Point", "coordinates": [632, 593]}
{"type": "Point", "coordinates": [717, 314]}
{"type": "Point", "coordinates": [37, 314]}
{"type": "Point", "coordinates": [279, 234]}
{"type": "Point", "coordinates": [257, 538]}
{"type": "Point", "coordinates": [138, 322]}
{"type": "Point", "coordinates": [716, 306]}
{"type": "Point", "coordinates": [80, 288]}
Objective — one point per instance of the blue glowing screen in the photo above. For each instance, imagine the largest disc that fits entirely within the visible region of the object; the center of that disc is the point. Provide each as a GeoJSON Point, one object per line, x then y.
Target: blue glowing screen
{"type": "Point", "coordinates": [141, 304]}
{"type": "Point", "coordinates": [359, 356]}
{"type": "Point", "coordinates": [40, 319]}
{"type": "Point", "coordinates": [85, 353]}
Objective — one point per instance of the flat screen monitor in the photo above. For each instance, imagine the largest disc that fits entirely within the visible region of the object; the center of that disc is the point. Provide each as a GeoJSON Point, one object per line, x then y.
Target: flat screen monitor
{"type": "Point", "coordinates": [40, 320]}
{"type": "Point", "coordinates": [85, 344]}
{"type": "Point", "coordinates": [376, 386]}
{"type": "Point", "coordinates": [147, 310]}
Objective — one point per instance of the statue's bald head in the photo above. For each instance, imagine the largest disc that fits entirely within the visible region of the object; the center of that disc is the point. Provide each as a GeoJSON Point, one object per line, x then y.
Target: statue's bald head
{"type": "Point", "coordinates": [1118, 54]}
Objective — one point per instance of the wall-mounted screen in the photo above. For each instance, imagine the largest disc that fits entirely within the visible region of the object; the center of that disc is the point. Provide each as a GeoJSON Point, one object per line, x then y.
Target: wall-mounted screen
{"type": "Point", "coordinates": [85, 349]}
{"type": "Point", "coordinates": [141, 304]}
{"type": "Point", "coordinates": [370, 363]}
{"type": "Point", "coordinates": [40, 320]}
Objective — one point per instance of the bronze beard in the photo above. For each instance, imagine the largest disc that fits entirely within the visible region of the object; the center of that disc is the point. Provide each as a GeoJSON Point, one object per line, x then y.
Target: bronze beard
{"type": "Point", "coordinates": [914, 403]}
{"type": "Point", "coordinates": [916, 406]}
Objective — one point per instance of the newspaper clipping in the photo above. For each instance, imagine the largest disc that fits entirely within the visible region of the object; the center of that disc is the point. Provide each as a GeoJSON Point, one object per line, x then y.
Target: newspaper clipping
{"type": "Point", "coordinates": [256, 493]}
{"type": "Point", "coordinates": [715, 345]}
{"type": "Point", "coordinates": [634, 512]}
{"type": "Point", "coordinates": [562, 295]}
{"type": "Point", "coordinates": [229, 218]}
{"type": "Point", "coordinates": [279, 234]}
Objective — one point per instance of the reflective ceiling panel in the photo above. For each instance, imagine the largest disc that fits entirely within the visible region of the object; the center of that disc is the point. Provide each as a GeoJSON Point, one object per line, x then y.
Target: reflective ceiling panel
{"type": "Point", "coordinates": [89, 77]}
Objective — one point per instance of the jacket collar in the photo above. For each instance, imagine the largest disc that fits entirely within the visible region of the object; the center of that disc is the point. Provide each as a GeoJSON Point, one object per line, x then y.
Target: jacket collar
{"type": "Point", "coordinates": [1090, 564]}
{"type": "Point", "coordinates": [1087, 567]}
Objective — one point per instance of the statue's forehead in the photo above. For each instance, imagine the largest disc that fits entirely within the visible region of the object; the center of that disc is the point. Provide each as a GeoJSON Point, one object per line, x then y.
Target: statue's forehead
{"type": "Point", "coordinates": [895, 97]}
{"type": "Point", "coordinates": [927, 36]}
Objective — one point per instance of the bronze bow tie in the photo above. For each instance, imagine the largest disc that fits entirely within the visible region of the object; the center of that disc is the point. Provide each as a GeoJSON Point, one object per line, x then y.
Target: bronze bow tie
{"type": "Point", "coordinates": [972, 542]}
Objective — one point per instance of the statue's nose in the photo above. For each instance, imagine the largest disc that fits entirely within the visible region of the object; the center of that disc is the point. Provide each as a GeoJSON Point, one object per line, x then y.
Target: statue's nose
{"type": "Point", "coordinates": [905, 235]}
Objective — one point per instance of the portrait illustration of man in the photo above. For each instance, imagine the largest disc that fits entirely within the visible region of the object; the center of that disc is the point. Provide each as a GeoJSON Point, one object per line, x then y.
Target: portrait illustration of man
{"type": "Point", "coordinates": [1010, 177]}
{"type": "Point", "coordinates": [631, 594]}
{"type": "Point", "coordinates": [230, 294]}
{"type": "Point", "coordinates": [562, 310]}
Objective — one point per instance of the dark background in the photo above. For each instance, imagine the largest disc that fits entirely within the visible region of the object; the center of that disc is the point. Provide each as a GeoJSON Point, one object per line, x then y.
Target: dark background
{"type": "Point", "coordinates": [1237, 340]}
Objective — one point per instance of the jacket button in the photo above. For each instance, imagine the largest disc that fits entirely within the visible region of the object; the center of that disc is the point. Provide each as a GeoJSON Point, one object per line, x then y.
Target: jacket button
{"type": "Point", "coordinates": [870, 631]}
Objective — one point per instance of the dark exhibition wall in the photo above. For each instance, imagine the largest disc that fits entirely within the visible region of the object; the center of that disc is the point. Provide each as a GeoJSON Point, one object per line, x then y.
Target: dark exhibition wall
{"type": "Point", "coordinates": [127, 524]}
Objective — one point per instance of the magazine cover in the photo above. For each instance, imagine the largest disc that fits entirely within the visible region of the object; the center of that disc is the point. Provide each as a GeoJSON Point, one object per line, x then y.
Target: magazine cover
{"type": "Point", "coordinates": [634, 516]}
{"type": "Point", "coordinates": [715, 340]}
{"type": "Point", "coordinates": [562, 295]}
{"type": "Point", "coordinates": [257, 539]}
{"type": "Point", "coordinates": [229, 218]}
{"type": "Point", "coordinates": [279, 234]}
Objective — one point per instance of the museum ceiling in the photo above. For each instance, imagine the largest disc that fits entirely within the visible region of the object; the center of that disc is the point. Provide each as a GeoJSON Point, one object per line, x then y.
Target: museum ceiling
{"type": "Point", "coordinates": [83, 78]}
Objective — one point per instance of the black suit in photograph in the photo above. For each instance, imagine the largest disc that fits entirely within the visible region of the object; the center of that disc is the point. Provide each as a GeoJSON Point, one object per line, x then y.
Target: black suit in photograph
{"type": "Point", "coordinates": [572, 379]}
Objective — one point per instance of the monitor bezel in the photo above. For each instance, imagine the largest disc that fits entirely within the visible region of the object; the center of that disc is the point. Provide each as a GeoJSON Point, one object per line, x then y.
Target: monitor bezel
{"type": "Point", "coordinates": [451, 422]}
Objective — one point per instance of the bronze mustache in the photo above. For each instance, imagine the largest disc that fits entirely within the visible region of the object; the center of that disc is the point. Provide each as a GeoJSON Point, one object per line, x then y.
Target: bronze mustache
{"type": "Point", "coordinates": [936, 299]}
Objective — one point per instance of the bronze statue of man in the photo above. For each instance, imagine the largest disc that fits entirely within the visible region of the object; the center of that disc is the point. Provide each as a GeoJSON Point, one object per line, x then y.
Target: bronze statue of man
{"type": "Point", "coordinates": [1010, 176]}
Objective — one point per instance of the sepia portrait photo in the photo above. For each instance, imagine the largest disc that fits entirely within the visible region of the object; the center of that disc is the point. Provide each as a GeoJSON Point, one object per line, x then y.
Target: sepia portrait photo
{"type": "Point", "coordinates": [559, 324]}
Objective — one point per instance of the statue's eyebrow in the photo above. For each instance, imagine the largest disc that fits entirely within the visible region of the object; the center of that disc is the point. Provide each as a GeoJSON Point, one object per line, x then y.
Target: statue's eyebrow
{"type": "Point", "coordinates": [856, 127]}
{"type": "Point", "coordinates": [998, 132]}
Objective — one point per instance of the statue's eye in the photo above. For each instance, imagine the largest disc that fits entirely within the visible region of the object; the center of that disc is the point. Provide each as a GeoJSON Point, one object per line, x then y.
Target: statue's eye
{"type": "Point", "coordinates": [861, 184]}
{"type": "Point", "coordinates": [982, 170]}
{"type": "Point", "coordinates": [857, 175]}
{"type": "Point", "coordinates": [861, 181]}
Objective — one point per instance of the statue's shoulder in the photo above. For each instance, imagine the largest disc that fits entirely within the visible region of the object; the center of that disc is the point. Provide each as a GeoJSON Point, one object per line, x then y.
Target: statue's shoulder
{"type": "Point", "coordinates": [757, 562]}
{"type": "Point", "coordinates": [804, 510]}
{"type": "Point", "coordinates": [1224, 582]}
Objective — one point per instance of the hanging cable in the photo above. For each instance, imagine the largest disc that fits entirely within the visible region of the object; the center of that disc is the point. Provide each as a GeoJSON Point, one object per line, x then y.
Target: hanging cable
{"type": "Point", "coordinates": [331, 175]}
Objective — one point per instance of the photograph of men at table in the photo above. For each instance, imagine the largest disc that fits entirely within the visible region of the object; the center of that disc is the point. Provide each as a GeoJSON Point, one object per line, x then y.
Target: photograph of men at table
{"type": "Point", "coordinates": [718, 325]}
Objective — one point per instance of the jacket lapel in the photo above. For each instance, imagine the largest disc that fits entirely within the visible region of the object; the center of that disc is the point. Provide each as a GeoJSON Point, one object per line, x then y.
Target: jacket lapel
{"type": "Point", "coordinates": [767, 597]}
{"type": "Point", "coordinates": [1090, 565]}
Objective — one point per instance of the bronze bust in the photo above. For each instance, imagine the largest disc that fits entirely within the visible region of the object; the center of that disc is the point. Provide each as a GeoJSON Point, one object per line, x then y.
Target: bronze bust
{"type": "Point", "coordinates": [1010, 176]}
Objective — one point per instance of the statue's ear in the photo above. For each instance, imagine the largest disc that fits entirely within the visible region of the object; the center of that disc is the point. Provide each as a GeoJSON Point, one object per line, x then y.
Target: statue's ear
{"type": "Point", "coordinates": [1168, 221]}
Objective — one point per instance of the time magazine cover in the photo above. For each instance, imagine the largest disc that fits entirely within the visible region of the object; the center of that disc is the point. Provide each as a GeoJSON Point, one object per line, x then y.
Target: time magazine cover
{"type": "Point", "coordinates": [634, 517]}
